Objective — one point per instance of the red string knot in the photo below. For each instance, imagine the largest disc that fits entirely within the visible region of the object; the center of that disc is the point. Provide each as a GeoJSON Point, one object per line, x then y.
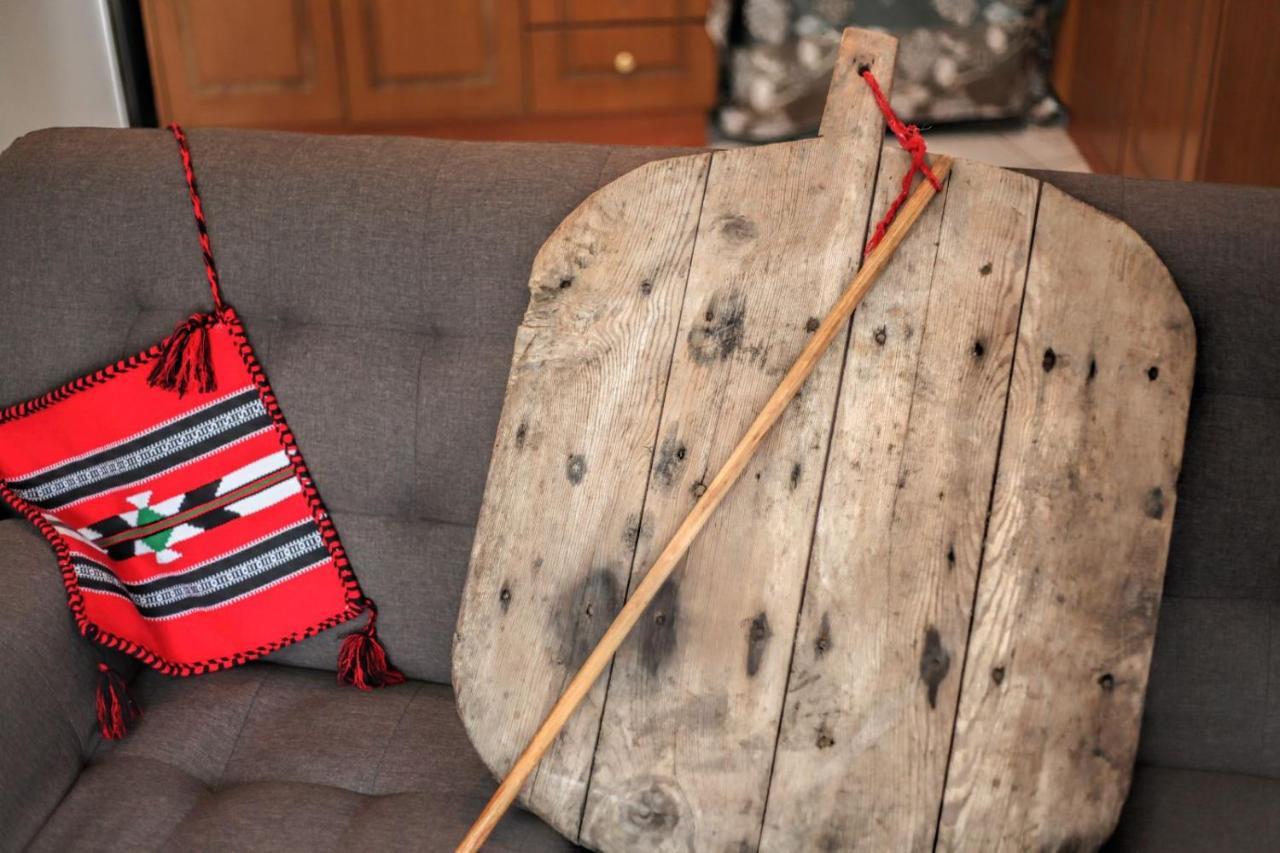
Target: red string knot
{"type": "Point", "coordinates": [912, 142]}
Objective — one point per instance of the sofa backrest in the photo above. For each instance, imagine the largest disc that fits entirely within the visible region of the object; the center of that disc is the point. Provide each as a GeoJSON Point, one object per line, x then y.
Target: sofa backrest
{"type": "Point", "coordinates": [382, 280]}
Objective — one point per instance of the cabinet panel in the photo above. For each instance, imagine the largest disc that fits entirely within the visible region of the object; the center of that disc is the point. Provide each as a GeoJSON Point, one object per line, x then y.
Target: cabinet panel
{"type": "Point", "coordinates": [244, 62]}
{"type": "Point", "coordinates": [603, 11]}
{"type": "Point", "coordinates": [1239, 145]}
{"type": "Point", "coordinates": [408, 60]}
{"type": "Point", "coordinates": [1173, 85]}
{"type": "Point", "coordinates": [624, 68]}
{"type": "Point", "coordinates": [1104, 83]}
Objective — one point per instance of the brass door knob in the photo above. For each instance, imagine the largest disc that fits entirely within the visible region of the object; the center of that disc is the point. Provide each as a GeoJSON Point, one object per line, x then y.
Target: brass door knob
{"type": "Point", "coordinates": [624, 62]}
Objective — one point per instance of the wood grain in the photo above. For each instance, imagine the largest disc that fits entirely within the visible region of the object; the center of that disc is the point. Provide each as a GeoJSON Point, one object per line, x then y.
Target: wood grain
{"type": "Point", "coordinates": [932, 632]}
{"type": "Point", "coordinates": [697, 689]}
{"type": "Point", "coordinates": [874, 674]}
{"type": "Point", "coordinates": [1070, 585]}
{"type": "Point", "coordinates": [551, 558]}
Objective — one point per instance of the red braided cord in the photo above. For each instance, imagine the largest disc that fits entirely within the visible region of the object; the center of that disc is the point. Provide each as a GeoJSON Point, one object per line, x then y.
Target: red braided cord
{"type": "Point", "coordinates": [910, 139]}
{"type": "Point", "coordinates": [211, 271]}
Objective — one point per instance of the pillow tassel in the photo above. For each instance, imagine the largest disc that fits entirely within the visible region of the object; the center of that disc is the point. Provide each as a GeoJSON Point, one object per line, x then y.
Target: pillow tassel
{"type": "Point", "coordinates": [186, 358]}
{"type": "Point", "coordinates": [362, 660]}
{"type": "Point", "coordinates": [116, 708]}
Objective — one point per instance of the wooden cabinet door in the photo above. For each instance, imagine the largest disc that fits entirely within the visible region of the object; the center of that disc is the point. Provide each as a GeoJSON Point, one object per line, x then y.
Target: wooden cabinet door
{"type": "Point", "coordinates": [1244, 120]}
{"type": "Point", "coordinates": [412, 60]}
{"type": "Point", "coordinates": [244, 62]}
{"type": "Point", "coordinates": [1169, 107]}
{"type": "Point", "coordinates": [1104, 80]}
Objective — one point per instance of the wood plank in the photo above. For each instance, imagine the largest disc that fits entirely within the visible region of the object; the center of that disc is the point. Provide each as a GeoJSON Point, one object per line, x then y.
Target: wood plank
{"type": "Point", "coordinates": [556, 533]}
{"type": "Point", "coordinates": [1070, 585]}
{"type": "Point", "coordinates": [885, 616]}
{"type": "Point", "coordinates": [696, 692]}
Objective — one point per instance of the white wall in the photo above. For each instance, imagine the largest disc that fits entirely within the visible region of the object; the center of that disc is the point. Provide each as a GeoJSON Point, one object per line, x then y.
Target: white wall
{"type": "Point", "coordinates": [57, 67]}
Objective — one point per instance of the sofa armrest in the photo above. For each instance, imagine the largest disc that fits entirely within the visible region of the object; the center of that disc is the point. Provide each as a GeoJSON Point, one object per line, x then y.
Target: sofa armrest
{"type": "Point", "coordinates": [48, 683]}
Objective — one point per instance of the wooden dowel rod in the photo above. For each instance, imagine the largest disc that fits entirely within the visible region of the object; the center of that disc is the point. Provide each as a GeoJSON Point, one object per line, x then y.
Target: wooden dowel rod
{"type": "Point", "coordinates": [697, 518]}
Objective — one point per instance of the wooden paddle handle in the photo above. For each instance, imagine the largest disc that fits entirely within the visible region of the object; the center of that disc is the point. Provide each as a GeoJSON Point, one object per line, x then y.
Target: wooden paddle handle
{"type": "Point", "coordinates": [697, 518]}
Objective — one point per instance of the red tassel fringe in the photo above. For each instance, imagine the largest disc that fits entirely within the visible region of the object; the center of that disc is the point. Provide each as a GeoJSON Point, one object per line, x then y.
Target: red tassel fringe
{"type": "Point", "coordinates": [116, 709]}
{"type": "Point", "coordinates": [187, 358]}
{"type": "Point", "coordinates": [362, 661]}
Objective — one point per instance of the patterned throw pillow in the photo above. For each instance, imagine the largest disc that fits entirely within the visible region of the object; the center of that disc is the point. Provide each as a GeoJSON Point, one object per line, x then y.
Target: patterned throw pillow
{"type": "Point", "coordinates": [189, 531]}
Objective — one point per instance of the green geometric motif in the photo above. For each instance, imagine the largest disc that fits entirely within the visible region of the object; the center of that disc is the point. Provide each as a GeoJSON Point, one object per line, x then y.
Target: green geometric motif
{"type": "Point", "coordinates": [157, 541]}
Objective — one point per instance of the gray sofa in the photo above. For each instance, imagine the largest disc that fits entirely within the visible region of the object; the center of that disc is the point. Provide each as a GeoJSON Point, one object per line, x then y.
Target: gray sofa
{"type": "Point", "coordinates": [382, 281]}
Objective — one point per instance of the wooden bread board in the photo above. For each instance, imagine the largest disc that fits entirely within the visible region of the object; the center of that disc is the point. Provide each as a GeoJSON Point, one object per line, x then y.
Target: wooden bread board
{"type": "Point", "coordinates": [925, 615]}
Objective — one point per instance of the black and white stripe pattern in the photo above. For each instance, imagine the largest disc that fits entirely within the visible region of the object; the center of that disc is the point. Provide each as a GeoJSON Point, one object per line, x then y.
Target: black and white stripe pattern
{"type": "Point", "coordinates": [149, 453]}
{"type": "Point", "coordinates": [216, 583]}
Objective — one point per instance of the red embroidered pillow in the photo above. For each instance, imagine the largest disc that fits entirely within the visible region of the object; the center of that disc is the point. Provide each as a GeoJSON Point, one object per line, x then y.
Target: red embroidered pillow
{"type": "Point", "coordinates": [189, 532]}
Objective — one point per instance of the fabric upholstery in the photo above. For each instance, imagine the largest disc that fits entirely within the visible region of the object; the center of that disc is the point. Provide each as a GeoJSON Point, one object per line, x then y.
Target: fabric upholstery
{"type": "Point", "coordinates": [48, 672]}
{"type": "Point", "coordinates": [271, 757]}
{"type": "Point", "coordinates": [382, 281]}
{"type": "Point", "coordinates": [1193, 811]}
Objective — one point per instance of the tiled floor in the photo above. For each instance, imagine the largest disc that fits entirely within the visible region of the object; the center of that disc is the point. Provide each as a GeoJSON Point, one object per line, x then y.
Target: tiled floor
{"type": "Point", "coordinates": [1029, 147]}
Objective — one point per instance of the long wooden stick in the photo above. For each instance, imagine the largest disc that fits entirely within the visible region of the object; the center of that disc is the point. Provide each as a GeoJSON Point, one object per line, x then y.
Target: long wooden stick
{"type": "Point", "coordinates": [689, 529]}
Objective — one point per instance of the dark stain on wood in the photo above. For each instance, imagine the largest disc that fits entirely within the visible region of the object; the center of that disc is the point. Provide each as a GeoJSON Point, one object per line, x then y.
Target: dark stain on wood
{"type": "Point", "coordinates": [721, 334]}
{"type": "Point", "coordinates": [1050, 360]}
{"type": "Point", "coordinates": [522, 433]}
{"type": "Point", "coordinates": [1093, 370]}
{"type": "Point", "coordinates": [633, 531]}
{"type": "Point", "coordinates": [583, 613]}
{"type": "Point", "coordinates": [822, 644]}
{"type": "Point", "coordinates": [997, 675]}
{"type": "Point", "coordinates": [796, 470]}
{"type": "Point", "coordinates": [979, 348]}
{"type": "Point", "coordinates": [737, 228]}
{"type": "Point", "coordinates": [951, 556]}
{"type": "Point", "coordinates": [880, 336]}
{"type": "Point", "coordinates": [824, 740]}
{"type": "Point", "coordinates": [758, 634]}
{"type": "Point", "coordinates": [659, 631]}
{"type": "Point", "coordinates": [812, 325]}
{"type": "Point", "coordinates": [935, 663]}
{"type": "Point", "coordinates": [1153, 373]}
{"type": "Point", "coordinates": [985, 269]}
{"type": "Point", "coordinates": [566, 283]}
{"type": "Point", "coordinates": [646, 287]}
{"type": "Point", "coordinates": [504, 597]}
{"type": "Point", "coordinates": [669, 461]}
{"type": "Point", "coordinates": [1154, 503]}
{"type": "Point", "coordinates": [576, 468]}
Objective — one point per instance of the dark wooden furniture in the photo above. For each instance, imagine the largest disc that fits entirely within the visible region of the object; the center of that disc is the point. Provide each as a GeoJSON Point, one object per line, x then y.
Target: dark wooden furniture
{"type": "Point", "coordinates": [1178, 89]}
{"type": "Point", "coordinates": [611, 71]}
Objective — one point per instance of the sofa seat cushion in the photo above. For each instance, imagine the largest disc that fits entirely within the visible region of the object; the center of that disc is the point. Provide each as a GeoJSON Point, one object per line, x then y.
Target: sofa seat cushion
{"type": "Point", "coordinates": [1197, 811]}
{"type": "Point", "coordinates": [268, 757]}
